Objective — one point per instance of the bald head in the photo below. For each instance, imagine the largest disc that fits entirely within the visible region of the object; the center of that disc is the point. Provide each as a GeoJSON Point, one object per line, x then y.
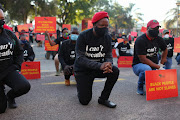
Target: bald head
{"type": "Point", "coordinates": [1, 14]}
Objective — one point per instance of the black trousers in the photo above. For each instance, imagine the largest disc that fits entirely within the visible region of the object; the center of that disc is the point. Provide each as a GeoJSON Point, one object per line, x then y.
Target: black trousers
{"type": "Point", "coordinates": [19, 86]}
{"type": "Point", "coordinates": [85, 81]}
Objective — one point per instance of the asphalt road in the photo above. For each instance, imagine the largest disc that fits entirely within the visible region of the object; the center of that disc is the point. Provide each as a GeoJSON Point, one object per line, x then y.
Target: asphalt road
{"type": "Point", "coordinates": [50, 99]}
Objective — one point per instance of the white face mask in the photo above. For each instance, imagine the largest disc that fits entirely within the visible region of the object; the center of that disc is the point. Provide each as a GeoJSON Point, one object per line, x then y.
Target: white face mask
{"type": "Point", "coordinates": [166, 36]}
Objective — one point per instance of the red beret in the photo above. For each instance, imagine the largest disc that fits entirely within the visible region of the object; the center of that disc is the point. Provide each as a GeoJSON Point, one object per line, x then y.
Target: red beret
{"type": "Point", "coordinates": [99, 15]}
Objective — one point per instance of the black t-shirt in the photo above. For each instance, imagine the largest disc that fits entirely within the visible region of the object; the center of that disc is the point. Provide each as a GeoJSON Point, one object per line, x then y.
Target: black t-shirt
{"type": "Point", "coordinates": [59, 41]}
{"type": "Point", "coordinates": [123, 48]}
{"type": "Point", "coordinates": [150, 48]}
{"type": "Point", "coordinates": [170, 46]}
{"type": "Point", "coordinates": [92, 51]}
{"type": "Point", "coordinates": [66, 54]}
{"type": "Point", "coordinates": [28, 52]}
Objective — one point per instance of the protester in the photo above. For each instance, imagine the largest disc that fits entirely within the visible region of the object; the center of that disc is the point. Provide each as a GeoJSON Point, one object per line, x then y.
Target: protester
{"type": "Point", "coordinates": [53, 53]}
{"type": "Point", "coordinates": [31, 35]}
{"type": "Point", "coordinates": [28, 50]}
{"type": "Point", "coordinates": [11, 58]}
{"type": "Point", "coordinates": [94, 60]}
{"type": "Point", "coordinates": [145, 53]}
{"type": "Point", "coordinates": [114, 39]}
{"type": "Point", "coordinates": [59, 42]}
{"type": "Point", "coordinates": [170, 46]}
{"type": "Point", "coordinates": [66, 55]}
{"type": "Point", "coordinates": [123, 48]}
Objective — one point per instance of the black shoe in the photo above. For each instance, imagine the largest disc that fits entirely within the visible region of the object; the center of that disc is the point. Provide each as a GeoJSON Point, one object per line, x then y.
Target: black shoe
{"type": "Point", "coordinates": [107, 103]}
{"type": "Point", "coordinates": [11, 103]}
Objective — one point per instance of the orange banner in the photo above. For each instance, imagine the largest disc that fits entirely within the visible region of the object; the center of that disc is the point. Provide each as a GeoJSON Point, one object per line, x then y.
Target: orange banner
{"type": "Point", "coordinates": [120, 40]}
{"type": "Point", "coordinates": [125, 61]}
{"type": "Point", "coordinates": [143, 29]}
{"type": "Point", "coordinates": [40, 37]}
{"type": "Point", "coordinates": [48, 47]}
{"type": "Point", "coordinates": [161, 84]}
{"type": "Point", "coordinates": [177, 44]}
{"type": "Point", "coordinates": [66, 26]}
{"type": "Point", "coordinates": [43, 24]}
{"type": "Point", "coordinates": [31, 70]}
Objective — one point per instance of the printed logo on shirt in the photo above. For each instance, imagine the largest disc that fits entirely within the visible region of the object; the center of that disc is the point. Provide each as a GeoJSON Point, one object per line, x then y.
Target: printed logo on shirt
{"type": "Point", "coordinates": [94, 52]}
{"type": "Point", "coordinates": [72, 55]}
{"type": "Point", "coordinates": [169, 47]}
{"type": "Point", "coordinates": [151, 52]}
{"type": "Point", "coordinates": [123, 49]}
{"type": "Point", "coordinates": [25, 53]}
{"type": "Point", "coordinates": [6, 50]}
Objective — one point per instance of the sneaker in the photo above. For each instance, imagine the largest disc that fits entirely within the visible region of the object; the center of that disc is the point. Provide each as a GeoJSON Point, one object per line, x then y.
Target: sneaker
{"type": "Point", "coordinates": [57, 73]}
{"type": "Point", "coordinates": [11, 103]}
{"type": "Point", "coordinates": [140, 90]}
{"type": "Point", "coordinates": [67, 82]}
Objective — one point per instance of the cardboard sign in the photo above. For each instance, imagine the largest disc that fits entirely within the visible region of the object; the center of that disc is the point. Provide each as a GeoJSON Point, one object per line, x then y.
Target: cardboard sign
{"type": "Point", "coordinates": [24, 28]}
{"type": "Point", "coordinates": [90, 25]}
{"type": "Point", "coordinates": [48, 47]}
{"type": "Point", "coordinates": [40, 37]}
{"type": "Point", "coordinates": [114, 53]}
{"type": "Point", "coordinates": [120, 40]}
{"type": "Point", "coordinates": [161, 84]}
{"type": "Point", "coordinates": [143, 29]}
{"type": "Point", "coordinates": [177, 44]}
{"type": "Point", "coordinates": [66, 26]}
{"type": "Point", "coordinates": [125, 61]}
{"type": "Point", "coordinates": [134, 34]}
{"type": "Point", "coordinates": [43, 24]}
{"type": "Point", "coordinates": [31, 70]}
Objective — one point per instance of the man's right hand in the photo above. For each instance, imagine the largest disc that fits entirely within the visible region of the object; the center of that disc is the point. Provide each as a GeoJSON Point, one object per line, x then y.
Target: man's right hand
{"type": "Point", "coordinates": [106, 67]}
{"type": "Point", "coordinates": [67, 70]}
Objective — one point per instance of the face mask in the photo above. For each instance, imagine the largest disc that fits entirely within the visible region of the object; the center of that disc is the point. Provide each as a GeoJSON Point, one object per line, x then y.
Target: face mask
{"type": "Point", "coordinates": [166, 36]}
{"type": "Point", "coordinates": [2, 22]}
{"type": "Point", "coordinates": [153, 33]}
{"type": "Point", "coordinates": [23, 41]}
{"type": "Point", "coordinates": [65, 35]}
{"type": "Point", "coordinates": [101, 31]}
{"type": "Point", "coordinates": [74, 36]}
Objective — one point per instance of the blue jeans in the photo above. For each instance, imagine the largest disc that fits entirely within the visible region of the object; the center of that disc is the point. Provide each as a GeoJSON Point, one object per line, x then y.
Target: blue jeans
{"type": "Point", "coordinates": [178, 59]}
{"type": "Point", "coordinates": [168, 64]}
{"type": "Point", "coordinates": [139, 70]}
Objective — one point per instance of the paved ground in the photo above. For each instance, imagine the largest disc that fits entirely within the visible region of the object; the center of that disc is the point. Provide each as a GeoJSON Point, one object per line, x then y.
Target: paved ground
{"type": "Point", "coordinates": [50, 99]}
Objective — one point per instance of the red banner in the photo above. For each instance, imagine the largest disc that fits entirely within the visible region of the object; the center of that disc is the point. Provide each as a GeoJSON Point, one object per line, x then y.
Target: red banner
{"type": "Point", "coordinates": [24, 28]}
{"type": "Point", "coordinates": [43, 24]}
{"type": "Point", "coordinates": [40, 37]}
{"type": "Point", "coordinates": [125, 61]}
{"type": "Point", "coordinates": [134, 34]}
{"type": "Point", "coordinates": [31, 70]}
{"type": "Point", "coordinates": [143, 29]}
{"type": "Point", "coordinates": [66, 26]}
{"type": "Point", "coordinates": [161, 84]}
{"type": "Point", "coordinates": [114, 53]}
{"type": "Point", "coordinates": [48, 47]}
{"type": "Point", "coordinates": [177, 44]}
{"type": "Point", "coordinates": [120, 40]}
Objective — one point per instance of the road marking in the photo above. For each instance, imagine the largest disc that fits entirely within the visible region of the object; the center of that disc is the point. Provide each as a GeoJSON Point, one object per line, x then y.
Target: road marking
{"type": "Point", "coordinates": [73, 82]}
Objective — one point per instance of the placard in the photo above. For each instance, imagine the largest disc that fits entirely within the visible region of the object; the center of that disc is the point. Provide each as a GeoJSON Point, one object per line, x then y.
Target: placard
{"type": "Point", "coordinates": [43, 24]}
{"type": "Point", "coordinates": [68, 26]}
{"type": "Point", "coordinates": [31, 70]}
{"type": "Point", "coordinates": [120, 40]}
{"type": "Point", "coordinates": [48, 47]}
{"type": "Point", "coordinates": [143, 29]}
{"type": "Point", "coordinates": [125, 61]}
{"type": "Point", "coordinates": [177, 44]}
{"type": "Point", "coordinates": [114, 53]}
{"type": "Point", "coordinates": [40, 37]}
{"type": "Point", "coordinates": [90, 25]}
{"type": "Point", "coordinates": [161, 84]}
{"type": "Point", "coordinates": [134, 34]}
{"type": "Point", "coordinates": [23, 27]}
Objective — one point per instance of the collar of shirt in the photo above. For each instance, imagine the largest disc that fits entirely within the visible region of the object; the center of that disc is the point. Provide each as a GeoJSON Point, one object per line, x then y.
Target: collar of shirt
{"type": "Point", "coordinates": [148, 37]}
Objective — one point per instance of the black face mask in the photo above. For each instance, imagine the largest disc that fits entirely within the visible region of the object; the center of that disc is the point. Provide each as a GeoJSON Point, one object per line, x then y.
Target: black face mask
{"type": "Point", "coordinates": [101, 31]}
{"type": "Point", "coordinates": [153, 33]}
{"type": "Point", "coordinates": [2, 22]}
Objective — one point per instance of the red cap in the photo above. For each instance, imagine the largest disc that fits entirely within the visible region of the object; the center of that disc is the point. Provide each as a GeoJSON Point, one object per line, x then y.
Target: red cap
{"type": "Point", "coordinates": [99, 15]}
{"type": "Point", "coordinates": [50, 34]}
{"type": "Point", "coordinates": [153, 24]}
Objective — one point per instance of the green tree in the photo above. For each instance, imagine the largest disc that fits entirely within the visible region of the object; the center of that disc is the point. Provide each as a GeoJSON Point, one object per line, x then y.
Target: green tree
{"type": "Point", "coordinates": [171, 18]}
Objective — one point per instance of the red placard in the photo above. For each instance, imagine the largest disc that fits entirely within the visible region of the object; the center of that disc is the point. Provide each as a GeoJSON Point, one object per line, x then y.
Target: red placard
{"type": "Point", "coordinates": [40, 37]}
{"type": "Point", "coordinates": [135, 39]}
{"type": "Point", "coordinates": [90, 25]}
{"type": "Point", "coordinates": [31, 70]}
{"type": "Point", "coordinates": [120, 40]}
{"type": "Point", "coordinates": [143, 29]}
{"type": "Point", "coordinates": [161, 84]}
{"type": "Point", "coordinates": [114, 53]}
{"type": "Point", "coordinates": [66, 26]}
{"type": "Point", "coordinates": [24, 28]}
{"type": "Point", "coordinates": [48, 47]}
{"type": "Point", "coordinates": [125, 61]}
{"type": "Point", "coordinates": [177, 44]}
{"type": "Point", "coordinates": [43, 24]}
{"type": "Point", "coordinates": [134, 34]}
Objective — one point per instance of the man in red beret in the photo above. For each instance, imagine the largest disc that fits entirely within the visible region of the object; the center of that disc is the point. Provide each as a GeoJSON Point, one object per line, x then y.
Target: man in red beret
{"type": "Point", "coordinates": [145, 53]}
{"type": "Point", "coordinates": [94, 60]}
